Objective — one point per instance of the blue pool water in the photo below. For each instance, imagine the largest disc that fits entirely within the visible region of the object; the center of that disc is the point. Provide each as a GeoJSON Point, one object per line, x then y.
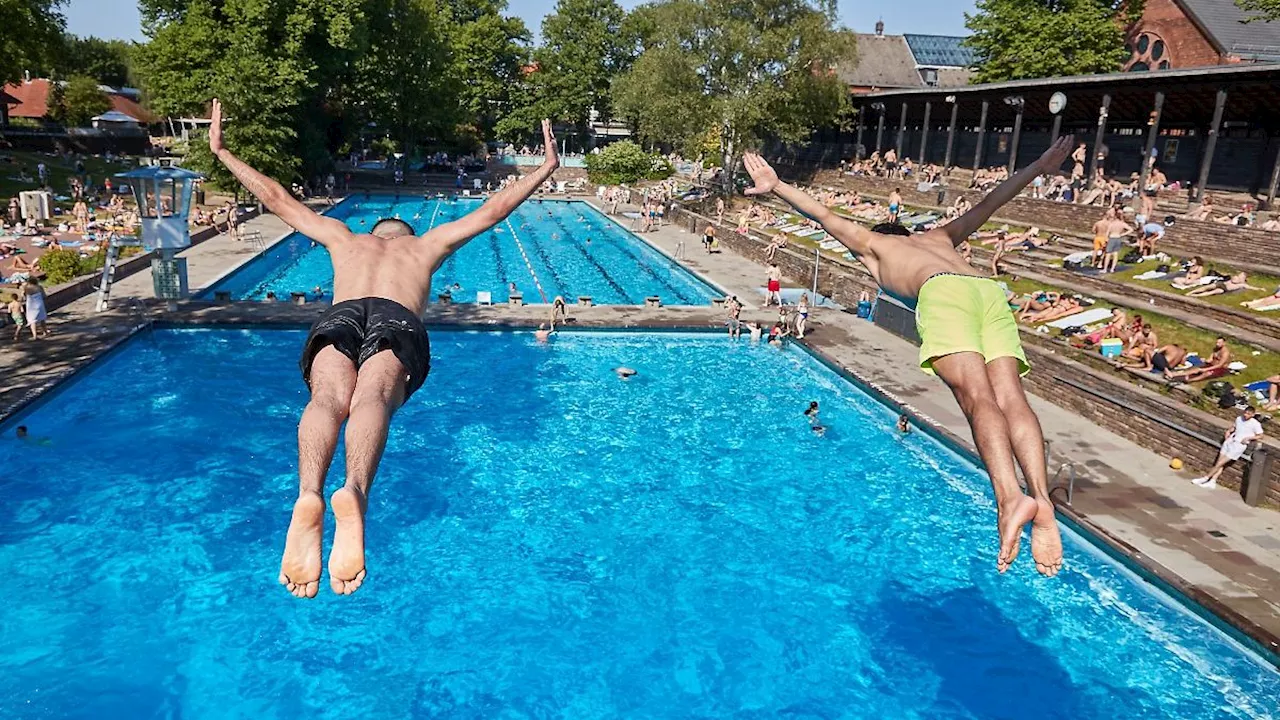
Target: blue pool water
{"type": "Point", "coordinates": [569, 248]}
{"type": "Point", "coordinates": [546, 540]}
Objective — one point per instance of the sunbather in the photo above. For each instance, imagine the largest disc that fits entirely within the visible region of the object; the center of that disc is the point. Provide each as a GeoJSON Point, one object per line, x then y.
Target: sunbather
{"type": "Point", "coordinates": [1165, 359]}
{"type": "Point", "coordinates": [1266, 303]}
{"type": "Point", "coordinates": [1062, 308]}
{"type": "Point", "coordinates": [20, 264]}
{"type": "Point", "coordinates": [1034, 303]}
{"type": "Point", "coordinates": [1195, 273]}
{"type": "Point", "coordinates": [1118, 327]}
{"type": "Point", "coordinates": [1215, 368]}
{"type": "Point", "coordinates": [1237, 282]}
{"type": "Point", "coordinates": [1273, 394]}
{"type": "Point", "coordinates": [1139, 346]}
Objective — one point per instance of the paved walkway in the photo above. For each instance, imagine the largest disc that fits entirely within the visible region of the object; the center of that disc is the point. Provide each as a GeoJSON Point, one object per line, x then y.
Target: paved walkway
{"type": "Point", "coordinates": [1210, 539]}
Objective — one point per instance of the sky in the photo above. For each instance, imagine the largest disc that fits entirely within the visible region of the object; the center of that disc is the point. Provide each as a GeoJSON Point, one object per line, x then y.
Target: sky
{"type": "Point", "coordinates": [118, 19]}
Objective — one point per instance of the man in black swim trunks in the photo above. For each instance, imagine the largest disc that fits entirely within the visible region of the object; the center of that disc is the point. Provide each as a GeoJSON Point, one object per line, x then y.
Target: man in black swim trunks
{"type": "Point", "coordinates": [381, 284]}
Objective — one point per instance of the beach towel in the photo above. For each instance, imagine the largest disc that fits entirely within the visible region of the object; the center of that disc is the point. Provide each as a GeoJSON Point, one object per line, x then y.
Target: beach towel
{"type": "Point", "coordinates": [1077, 257]}
{"type": "Point", "coordinates": [791, 228]}
{"type": "Point", "coordinates": [1151, 275]}
{"type": "Point", "coordinates": [1261, 386]}
{"type": "Point", "coordinates": [1237, 366]}
{"type": "Point", "coordinates": [808, 233]}
{"type": "Point", "coordinates": [70, 243]}
{"type": "Point", "coordinates": [1081, 319]}
{"type": "Point", "coordinates": [831, 245]}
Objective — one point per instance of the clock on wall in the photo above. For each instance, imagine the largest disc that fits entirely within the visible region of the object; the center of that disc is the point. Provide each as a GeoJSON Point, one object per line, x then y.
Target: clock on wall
{"type": "Point", "coordinates": [1057, 102]}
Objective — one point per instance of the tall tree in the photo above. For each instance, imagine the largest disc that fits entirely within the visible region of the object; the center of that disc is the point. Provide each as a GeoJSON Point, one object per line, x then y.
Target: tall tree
{"type": "Point", "coordinates": [1017, 39]}
{"type": "Point", "coordinates": [582, 51]}
{"type": "Point", "coordinates": [77, 102]}
{"type": "Point", "coordinates": [1267, 10]}
{"type": "Point", "coordinates": [748, 68]}
{"type": "Point", "coordinates": [490, 51]}
{"type": "Point", "coordinates": [273, 62]}
{"type": "Point", "coordinates": [30, 36]}
{"type": "Point", "coordinates": [107, 61]}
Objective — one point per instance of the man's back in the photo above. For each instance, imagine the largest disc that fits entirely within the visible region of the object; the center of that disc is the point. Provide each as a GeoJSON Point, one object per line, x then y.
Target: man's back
{"type": "Point", "coordinates": [397, 269]}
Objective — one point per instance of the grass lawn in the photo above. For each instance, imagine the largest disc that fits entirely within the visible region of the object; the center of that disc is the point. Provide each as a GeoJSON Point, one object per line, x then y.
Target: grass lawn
{"type": "Point", "coordinates": [1268, 283]}
{"type": "Point", "coordinates": [1261, 366]}
{"type": "Point", "coordinates": [60, 172]}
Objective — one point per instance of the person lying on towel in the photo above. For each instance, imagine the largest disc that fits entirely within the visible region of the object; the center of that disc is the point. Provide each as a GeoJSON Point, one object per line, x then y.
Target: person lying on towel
{"type": "Point", "coordinates": [970, 340]}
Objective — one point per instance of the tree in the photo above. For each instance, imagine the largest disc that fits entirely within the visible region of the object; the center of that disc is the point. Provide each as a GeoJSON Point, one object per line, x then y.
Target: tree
{"type": "Point", "coordinates": [77, 102]}
{"type": "Point", "coordinates": [626, 162]}
{"type": "Point", "coordinates": [490, 53]}
{"type": "Point", "coordinates": [1017, 39]}
{"type": "Point", "coordinates": [107, 61]}
{"type": "Point", "coordinates": [751, 68]}
{"type": "Point", "coordinates": [582, 51]}
{"type": "Point", "coordinates": [30, 36]}
{"type": "Point", "coordinates": [1266, 10]}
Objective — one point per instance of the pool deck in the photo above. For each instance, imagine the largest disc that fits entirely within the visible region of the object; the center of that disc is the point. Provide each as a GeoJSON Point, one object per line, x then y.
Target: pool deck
{"type": "Point", "coordinates": [1208, 543]}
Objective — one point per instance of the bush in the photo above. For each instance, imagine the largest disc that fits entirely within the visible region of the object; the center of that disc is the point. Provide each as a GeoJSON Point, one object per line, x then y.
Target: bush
{"type": "Point", "coordinates": [60, 266]}
{"type": "Point", "coordinates": [626, 162]}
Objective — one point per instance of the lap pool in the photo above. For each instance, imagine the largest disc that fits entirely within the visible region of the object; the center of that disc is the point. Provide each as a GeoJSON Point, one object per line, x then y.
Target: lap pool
{"type": "Point", "coordinates": [546, 540]}
{"type": "Point", "coordinates": [547, 248]}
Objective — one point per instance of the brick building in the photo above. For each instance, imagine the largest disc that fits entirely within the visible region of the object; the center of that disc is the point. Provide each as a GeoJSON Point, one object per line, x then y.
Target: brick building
{"type": "Point", "coordinates": [1174, 34]}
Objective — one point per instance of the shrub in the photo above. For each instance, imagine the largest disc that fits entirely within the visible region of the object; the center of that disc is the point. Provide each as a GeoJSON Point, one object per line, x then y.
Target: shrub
{"type": "Point", "coordinates": [626, 162]}
{"type": "Point", "coordinates": [60, 266]}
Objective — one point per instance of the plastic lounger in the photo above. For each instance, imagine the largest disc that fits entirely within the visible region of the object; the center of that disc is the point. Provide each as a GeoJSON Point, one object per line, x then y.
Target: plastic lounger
{"type": "Point", "coordinates": [808, 233]}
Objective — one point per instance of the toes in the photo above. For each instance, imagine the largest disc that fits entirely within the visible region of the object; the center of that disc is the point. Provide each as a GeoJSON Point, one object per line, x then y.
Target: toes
{"type": "Point", "coordinates": [311, 589]}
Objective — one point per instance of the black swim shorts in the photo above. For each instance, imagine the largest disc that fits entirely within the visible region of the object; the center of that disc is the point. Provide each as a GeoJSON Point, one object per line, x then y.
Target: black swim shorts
{"type": "Point", "coordinates": [363, 328]}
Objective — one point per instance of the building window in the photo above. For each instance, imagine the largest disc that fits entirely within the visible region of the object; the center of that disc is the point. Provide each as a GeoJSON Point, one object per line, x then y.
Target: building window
{"type": "Point", "coordinates": [1170, 151]}
{"type": "Point", "coordinates": [1147, 51]}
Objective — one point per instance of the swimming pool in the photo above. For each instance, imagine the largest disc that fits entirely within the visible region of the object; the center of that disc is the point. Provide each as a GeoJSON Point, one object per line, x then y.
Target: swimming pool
{"type": "Point", "coordinates": [546, 540]}
{"type": "Point", "coordinates": [547, 248]}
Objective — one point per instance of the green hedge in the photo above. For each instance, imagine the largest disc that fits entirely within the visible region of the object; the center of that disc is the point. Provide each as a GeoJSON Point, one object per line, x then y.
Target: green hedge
{"type": "Point", "coordinates": [626, 162]}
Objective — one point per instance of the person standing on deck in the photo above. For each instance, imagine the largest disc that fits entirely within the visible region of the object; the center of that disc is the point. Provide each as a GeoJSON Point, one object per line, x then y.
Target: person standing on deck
{"type": "Point", "coordinates": [364, 357]}
{"type": "Point", "coordinates": [970, 340]}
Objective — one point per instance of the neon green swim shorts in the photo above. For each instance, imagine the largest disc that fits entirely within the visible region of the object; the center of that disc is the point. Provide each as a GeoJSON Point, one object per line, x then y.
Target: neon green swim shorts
{"type": "Point", "coordinates": [959, 313]}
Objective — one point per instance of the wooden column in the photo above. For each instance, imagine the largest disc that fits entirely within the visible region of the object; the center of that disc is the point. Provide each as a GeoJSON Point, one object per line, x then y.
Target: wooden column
{"type": "Point", "coordinates": [982, 136]}
{"type": "Point", "coordinates": [1099, 138]}
{"type": "Point", "coordinates": [1207, 161]}
{"type": "Point", "coordinates": [951, 134]}
{"type": "Point", "coordinates": [1017, 139]}
{"type": "Point", "coordinates": [1275, 180]}
{"type": "Point", "coordinates": [1152, 133]}
{"type": "Point", "coordinates": [924, 130]}
{"type": "Point", "coordinates": [1057, 128]}
{"type": "Point", "coordinates": [902, 129]}
{"type": "Point", "coordinates": [880, 131]}
{"type": "Point", "coordinates": [857, 145]}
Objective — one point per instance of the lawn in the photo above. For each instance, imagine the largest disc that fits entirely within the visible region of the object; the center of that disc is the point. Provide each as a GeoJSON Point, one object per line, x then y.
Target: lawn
{"type": "Point", "coordinates": [11, 162]}
{"type": "Point", "coordinates": [1268, 283]}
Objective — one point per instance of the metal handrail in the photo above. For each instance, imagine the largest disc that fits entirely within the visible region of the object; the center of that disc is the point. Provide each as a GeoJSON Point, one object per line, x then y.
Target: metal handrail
{"type": "Point", "coordinates": [1070, 467]}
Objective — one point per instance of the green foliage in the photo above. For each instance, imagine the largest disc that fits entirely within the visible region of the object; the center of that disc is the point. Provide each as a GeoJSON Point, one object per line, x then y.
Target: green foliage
{"type": "Point", "coordinates": [30, 36]}
{"type": "Point", "coordinates": [60, 266]}
{"type": "Point", "coordinates": [1017, 39]}
{"type": "Point", "coordinates": [78, 102]}
{"type": "Point", "coordinates": [626, 162]}
{"type": "Point", "coordinates": [582, 51]}
{"type": "Point", "coordinates": [489, 52]}
{"type": "Point", "coordinates": [751, 68]}
{"type": "Point", "coordinates": [107, 61]}
{"type": "Point", "coordinates": [1266, 10]}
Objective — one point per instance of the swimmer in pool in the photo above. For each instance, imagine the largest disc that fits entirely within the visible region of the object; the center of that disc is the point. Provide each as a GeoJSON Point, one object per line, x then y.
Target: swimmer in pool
{"type": "Point", "coordinates": [904, 424]}
{"type": "Point", "coordinates": [970, 340]}
{"type": "Point", "coordinates": [542, 334]}
{"type": "Point", "coordinates": [364, 358]}
{"type": "Point", "coordinates": [625, 373]}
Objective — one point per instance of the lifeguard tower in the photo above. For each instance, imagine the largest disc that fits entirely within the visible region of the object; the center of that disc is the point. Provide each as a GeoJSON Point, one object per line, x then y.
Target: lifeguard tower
{"type": "Point", "coordinates": [163, 194]}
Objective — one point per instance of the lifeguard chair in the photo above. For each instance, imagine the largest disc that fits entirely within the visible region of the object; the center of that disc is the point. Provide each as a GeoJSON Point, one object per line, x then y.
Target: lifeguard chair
{"type": "Point", "coordinates": [163, 194]}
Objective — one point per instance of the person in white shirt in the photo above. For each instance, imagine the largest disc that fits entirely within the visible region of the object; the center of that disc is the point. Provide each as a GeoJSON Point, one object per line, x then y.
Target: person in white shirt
{"type": "Point", "coordinates": [1246, 430]}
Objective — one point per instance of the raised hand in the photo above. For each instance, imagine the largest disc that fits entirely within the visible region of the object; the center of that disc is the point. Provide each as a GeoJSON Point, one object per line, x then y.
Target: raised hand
{"type": "Point", "coordinates": [215, 128]}
{"type": "Point", "coordinates": [552, 155]}
{"type": "Point", "coordinates": [1052, 159]}
{"type": "Point", "coordinates": [764, 176]}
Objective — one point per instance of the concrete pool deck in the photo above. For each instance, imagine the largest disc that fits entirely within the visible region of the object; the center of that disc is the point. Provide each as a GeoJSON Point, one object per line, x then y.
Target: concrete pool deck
{"type": "Point", "coordinates": [1208, 543]}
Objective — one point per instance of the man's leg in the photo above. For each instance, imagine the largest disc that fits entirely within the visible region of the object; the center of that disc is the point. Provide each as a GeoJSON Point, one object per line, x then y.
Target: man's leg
{"type": "Point", "coordinates": [1216, 471]}
{"type": "Point", "coordinates": [965, 373]}
{"type": "Point", "coordinates": [378, 394]}
{"type": "Point", "coordinates": [1028, 448]}
{"type": "Point", "coordinates": [333, 378]}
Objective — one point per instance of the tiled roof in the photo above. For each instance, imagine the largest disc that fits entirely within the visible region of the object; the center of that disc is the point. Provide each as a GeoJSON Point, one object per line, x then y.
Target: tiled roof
{"type": "Point", "coordinates": [884, 61]}
{"type": "Point", "coordinates": [1225, 24]}
{"type": "Point", "coordinates": [940, 51]}
{"type": "Point", "coordinates": [33, 101]}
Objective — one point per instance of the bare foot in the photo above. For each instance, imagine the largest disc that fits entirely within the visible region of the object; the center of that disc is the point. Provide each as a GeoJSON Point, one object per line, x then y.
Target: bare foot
{"type": "Point", "coordinates": [300, 566]}
{"type": "Point", "coordinates": [1046, 543]}
{"type": "Point", "coordinates": [346, 559]}
{"type": "Point", "coordinates": [1013, 515]}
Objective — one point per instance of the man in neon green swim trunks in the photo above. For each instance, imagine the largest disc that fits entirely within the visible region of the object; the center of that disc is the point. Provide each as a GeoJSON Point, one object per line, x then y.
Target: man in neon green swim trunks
{"type": "Point", "coordinates": [970, 340]}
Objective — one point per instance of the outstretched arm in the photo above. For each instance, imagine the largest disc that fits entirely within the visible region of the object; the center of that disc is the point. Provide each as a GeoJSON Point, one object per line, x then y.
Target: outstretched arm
{"type": "Point", "coordinates": [454, 235]}
{"type": "Point", "coordinates": [849, 233]}
{"type": "Point", "coordinates": [322, 229]}
{"type": "Point", "coordinates": [969, 223]}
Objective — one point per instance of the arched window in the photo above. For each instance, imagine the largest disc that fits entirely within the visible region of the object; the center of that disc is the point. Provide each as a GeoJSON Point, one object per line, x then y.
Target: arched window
{"type": "Point", "coordinates": [1148, 51]}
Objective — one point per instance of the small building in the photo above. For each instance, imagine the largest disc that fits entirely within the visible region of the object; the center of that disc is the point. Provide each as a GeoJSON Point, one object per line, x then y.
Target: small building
{"type": "Point", "coordinates": [6, 101]}
{"type": "Point", "coordinates": [1180, 34]}
{"type": "Point", "coordinates": [116, 121]}
{"type": "Point", "coordinates": [887, 62]}
{"type": "Point", "coordinates": [32, 98]}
